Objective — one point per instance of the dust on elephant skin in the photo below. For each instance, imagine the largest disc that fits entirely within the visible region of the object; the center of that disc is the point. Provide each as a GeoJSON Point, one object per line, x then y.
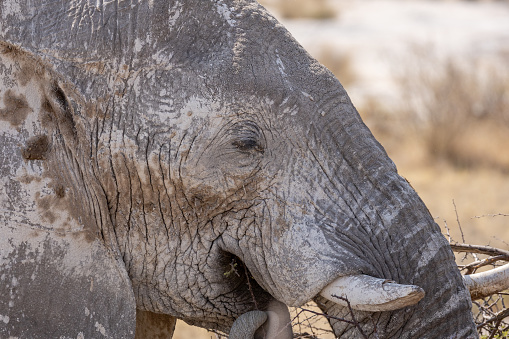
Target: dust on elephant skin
{"type": "Point", "coordinates": [36, 148]}
{"type": "Point", "coordinates": [16, 109]}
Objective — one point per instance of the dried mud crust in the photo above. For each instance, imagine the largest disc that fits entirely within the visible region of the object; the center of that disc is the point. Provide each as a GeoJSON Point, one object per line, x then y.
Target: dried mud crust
{"type": "Point", "coordinates": [16, 109]}
{"type": "Point", "coordinates": [36, 148]}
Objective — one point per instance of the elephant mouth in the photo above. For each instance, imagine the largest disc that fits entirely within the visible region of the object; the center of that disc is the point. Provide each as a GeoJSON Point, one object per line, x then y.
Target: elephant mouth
{"type": "Point", "coordinates": [268, 315]}
{"type": "Point", "coordinates": [270, 318]}
{"type": "Point", "coordinates": [361, 292]}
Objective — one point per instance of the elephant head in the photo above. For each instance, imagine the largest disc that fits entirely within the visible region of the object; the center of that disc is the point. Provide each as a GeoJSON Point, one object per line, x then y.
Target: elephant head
{"type": "Point", "coordinates": [188, 159]}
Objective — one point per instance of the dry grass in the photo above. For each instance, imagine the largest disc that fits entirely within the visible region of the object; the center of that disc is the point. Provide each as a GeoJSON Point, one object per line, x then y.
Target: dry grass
{"type": "Point", "coordinates": [458, 108]}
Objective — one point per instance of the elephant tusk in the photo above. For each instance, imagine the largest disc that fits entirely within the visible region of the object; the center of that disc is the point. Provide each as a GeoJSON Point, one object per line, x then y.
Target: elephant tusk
{"type": "Point", "coordinates": [275, 323]}
{"type": "Point", "coordinates": [366, 293]}
{"type": "Point", "coordinates": [487, 283]}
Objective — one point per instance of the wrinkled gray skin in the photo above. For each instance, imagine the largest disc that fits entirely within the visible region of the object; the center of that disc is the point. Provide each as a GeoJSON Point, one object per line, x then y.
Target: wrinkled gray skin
{"type": "Point", "coordinates": [145, 145]}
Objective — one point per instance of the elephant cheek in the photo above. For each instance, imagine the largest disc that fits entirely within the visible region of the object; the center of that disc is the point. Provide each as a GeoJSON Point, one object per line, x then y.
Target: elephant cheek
{"type": "Point", "coordinates": [301, 262]}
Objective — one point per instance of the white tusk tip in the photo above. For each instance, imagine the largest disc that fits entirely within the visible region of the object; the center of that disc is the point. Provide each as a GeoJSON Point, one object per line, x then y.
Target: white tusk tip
{"type": "Point", "coordinates": [366, 293]}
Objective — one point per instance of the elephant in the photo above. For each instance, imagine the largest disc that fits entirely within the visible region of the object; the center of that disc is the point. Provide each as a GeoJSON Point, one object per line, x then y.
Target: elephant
{"type": "Point", "coordinates": [188, 159]}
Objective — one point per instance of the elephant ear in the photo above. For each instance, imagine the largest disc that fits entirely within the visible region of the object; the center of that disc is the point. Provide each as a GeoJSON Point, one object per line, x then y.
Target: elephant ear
{"type": "Point", "coordinates": [55, 286]}
{"type": "Point", "coordinates": [58, 279]}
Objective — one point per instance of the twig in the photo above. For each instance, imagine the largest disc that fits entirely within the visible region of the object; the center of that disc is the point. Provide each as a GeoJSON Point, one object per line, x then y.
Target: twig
{"type": "Point", "coordinates": [352, 322]}
{"type": "Point", "coordinates": [478, 249]}
{"type": "Point", "coordinates": [447, 231]}
{"type": "Point", "coordinates": [480, 263]}
{"type": "Point", "coordinates": [352, 314]}
{"type": "Point", "coordinates": [329, 316]}
{"type": "Point", "coordinates": [499, 316]}
{"type": "Point", "coordinates": [249, 287]}
{"type": "Point", "coordinates": [495, 329]}
{"type": "Point", "coordinates": [498, 239]}
{"type": "Point", "coordinates": [490, 215]}
{"type": "Point", "coordinates": [458, 220]}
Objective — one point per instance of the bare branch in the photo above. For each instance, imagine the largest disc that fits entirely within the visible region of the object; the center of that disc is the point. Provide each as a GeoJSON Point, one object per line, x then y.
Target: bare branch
{"type": "Point", "coordinates": [352, 314]}
{"type": "Point", "coordinates": [250, 288]}
{"type": "Point", "coordinates": [458, 221]}
{"type": "Point", "coordinates": [480, 263]}
{"type": "Point", "coordinates": [498, 317]}
{"type": "Point", "coordinates": [490, 215]}
{"type": "Point", "coordinates": [479, 249]}
{"type": "Point", "coordinates": [352, 322]}
{"type": "Point", "coordinates": [447, 231]}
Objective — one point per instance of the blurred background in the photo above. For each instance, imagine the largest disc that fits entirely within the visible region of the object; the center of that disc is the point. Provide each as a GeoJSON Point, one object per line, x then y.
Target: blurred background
{"type": "Point", "coordinates": [431, 81]}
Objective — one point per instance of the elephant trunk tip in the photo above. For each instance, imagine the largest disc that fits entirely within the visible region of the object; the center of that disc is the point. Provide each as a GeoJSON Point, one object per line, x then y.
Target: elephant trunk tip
{"type": "Point", "coordinates": [274, 323]}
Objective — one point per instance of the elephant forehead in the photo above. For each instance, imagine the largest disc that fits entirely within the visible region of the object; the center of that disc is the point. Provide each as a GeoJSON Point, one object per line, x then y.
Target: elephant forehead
{"type": "Point", "coordinates": [189, 113]}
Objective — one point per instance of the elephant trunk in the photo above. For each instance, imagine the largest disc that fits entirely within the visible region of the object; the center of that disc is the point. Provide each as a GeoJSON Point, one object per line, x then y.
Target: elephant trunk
{"type": "Point", "coordinates": [438, 307]}
{"type": "Point", "coordinates": [247, 324]}
{"type": "Point", "coordinates": [274, 323]}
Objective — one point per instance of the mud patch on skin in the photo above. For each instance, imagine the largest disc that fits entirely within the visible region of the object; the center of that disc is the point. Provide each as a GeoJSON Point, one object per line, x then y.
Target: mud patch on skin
{"type": "Point", "coordinates": [28, 71]}
{"type": "Point", "coordinates": [59, 191]}
{"type": "Point", "coordinates": [45, 204]}
{"type": "Point", "coordinates": [6, 48]}
{"type": "Point", "coordinates": [47, 113]}
{"type": "Point", "coordinates": [28, 179]}
{"type": "Point", "coordinates": [95, 67]}
{"type": "Point", "coordinates": [36, 148]}
{"type": "Point", "coordinates": [16, 108]}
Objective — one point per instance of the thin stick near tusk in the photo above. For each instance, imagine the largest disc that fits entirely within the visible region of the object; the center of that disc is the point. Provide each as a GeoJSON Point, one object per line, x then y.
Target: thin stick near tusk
{"type": "Point", "coordinates": [366, 293]}
{"type": "Point", "coordinates": [487, 283]}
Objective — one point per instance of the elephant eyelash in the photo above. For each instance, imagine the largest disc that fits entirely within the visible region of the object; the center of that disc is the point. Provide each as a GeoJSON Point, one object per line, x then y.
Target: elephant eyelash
{"type": "Point", "coordinates": [247, 137]}
{"type": "Point", "coordinates": [248, 144]}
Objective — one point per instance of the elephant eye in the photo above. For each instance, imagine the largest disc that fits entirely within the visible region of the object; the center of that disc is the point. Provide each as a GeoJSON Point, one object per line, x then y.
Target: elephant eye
{"type": "Point", "coordinates": [248, 144]}
{"type": "Point", "coordinates": [247, 137]}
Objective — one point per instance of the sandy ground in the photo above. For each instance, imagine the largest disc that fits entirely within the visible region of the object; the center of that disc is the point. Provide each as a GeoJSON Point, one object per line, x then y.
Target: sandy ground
{"type": "Point", "coordinates": [378, 35]}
